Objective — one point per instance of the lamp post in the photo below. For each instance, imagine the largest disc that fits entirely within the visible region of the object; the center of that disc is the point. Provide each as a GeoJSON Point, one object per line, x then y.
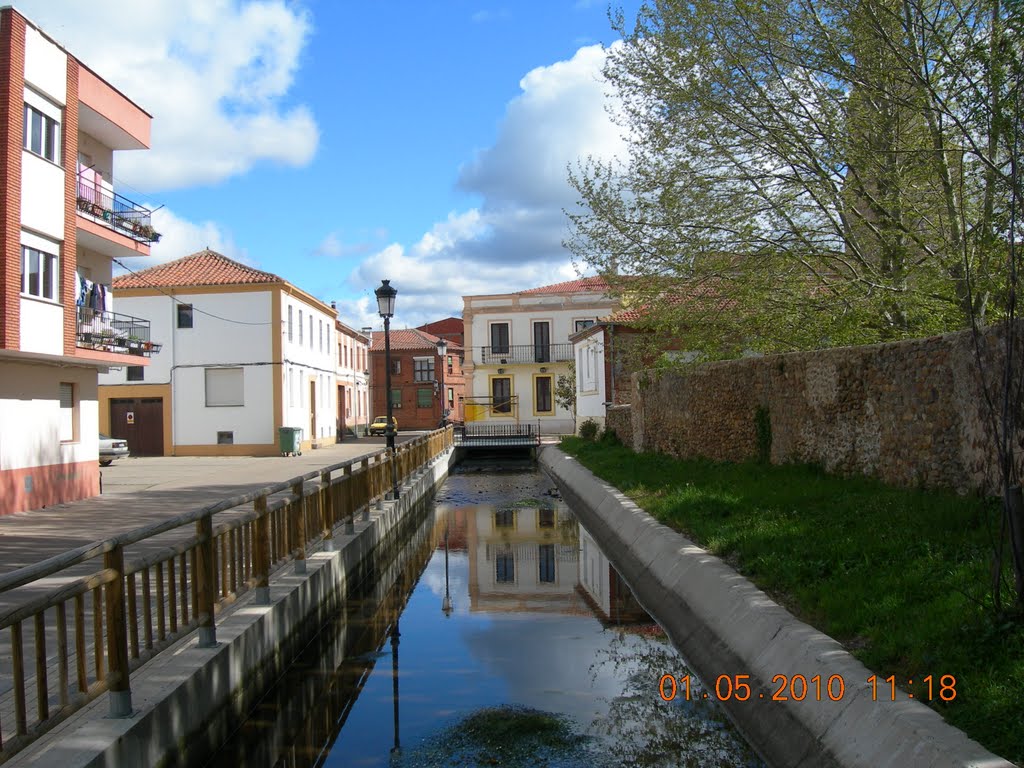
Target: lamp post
{"type": "Point", "coordinates": [442, 351]}
{"type": "Point", "coordinates": [386, 308]}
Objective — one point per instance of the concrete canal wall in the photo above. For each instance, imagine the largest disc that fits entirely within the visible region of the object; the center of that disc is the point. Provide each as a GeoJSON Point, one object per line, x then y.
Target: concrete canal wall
{"type": "Point", "coordinates": [183, 689]}
{"type": "Point", "coordinates": [724, 626]}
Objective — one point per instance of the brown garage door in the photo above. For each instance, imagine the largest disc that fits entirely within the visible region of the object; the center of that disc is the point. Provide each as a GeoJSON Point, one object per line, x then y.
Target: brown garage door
{"type": "Point", "coordinates": [140, 421]}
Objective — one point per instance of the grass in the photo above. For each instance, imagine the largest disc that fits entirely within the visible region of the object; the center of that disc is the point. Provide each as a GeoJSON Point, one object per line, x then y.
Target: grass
{"type": "Point", "coordinates": [900, 577]}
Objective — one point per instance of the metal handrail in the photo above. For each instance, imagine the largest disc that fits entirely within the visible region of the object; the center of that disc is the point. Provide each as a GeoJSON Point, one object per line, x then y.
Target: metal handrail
{"type": "Point", "coordinates": [192, 579]}
{"type": "Point", "coordinates": [113, 332]}
{"type": "Point", "coordinates": [512, 354]}
{"type": "Point", "coordinates": [116, 211]}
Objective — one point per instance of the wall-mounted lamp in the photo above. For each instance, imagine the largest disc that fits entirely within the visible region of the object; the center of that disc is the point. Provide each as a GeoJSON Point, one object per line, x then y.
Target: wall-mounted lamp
{"type": "Point", "coordinates": [501, 370]}
{"type": "Point", "coordinates": [543, 369]}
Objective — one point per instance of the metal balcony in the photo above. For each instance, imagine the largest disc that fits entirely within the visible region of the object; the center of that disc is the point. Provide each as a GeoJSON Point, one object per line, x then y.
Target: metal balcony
{"type": "Point", "coordinates": [111, 332]}
{"type": "Point", "coordinates": [512, 354]}
{"type": "Point", "coordinates": [116, 212]}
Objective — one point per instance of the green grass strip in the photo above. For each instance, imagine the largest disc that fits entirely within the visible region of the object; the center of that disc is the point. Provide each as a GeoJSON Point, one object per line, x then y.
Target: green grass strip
{"type": "Point", "coordinates": [900, 577]}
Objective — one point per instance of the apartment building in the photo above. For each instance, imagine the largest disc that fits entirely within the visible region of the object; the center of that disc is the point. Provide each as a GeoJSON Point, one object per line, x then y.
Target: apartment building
{"type": "Point", "coordinates": [244, 353]}
{"type": "Point", "coordinates": [517, 345]}
{"type": "Point", "coordinates": [61, 125]}
{"type": "Point", "coordinates": [422, 382]}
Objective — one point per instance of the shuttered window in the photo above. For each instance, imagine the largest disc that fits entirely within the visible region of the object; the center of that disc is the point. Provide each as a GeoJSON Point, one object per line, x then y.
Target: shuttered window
{"type": "Point", "coordinates": [224, 387]}
{"type": "Point", "coordinates": [66, 394]}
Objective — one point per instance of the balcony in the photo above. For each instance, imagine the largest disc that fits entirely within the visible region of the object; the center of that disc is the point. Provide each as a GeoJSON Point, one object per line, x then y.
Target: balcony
{"type": "Point", "coordinates": [116, 212]}
{"type": "Point", "coordinates": [512, 354]}
{"type": "Point", "coordinates": [111, 332]}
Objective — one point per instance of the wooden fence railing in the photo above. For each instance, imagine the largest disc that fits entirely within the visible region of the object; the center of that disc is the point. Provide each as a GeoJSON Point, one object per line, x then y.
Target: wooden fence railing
{"type": "Point", "coordinates": [83, 630]}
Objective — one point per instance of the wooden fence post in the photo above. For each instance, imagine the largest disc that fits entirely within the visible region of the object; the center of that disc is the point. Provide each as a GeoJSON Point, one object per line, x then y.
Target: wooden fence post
{"type": "Point", "coordinates": [118, 683]}
{"type": "Point", "coordinates": [327, 511]}
{"type": "Point", "coordinates": [261, 552]}
{"type": "Point", "coordinates": [297, 520]}
{"type": "Point", "coordinates": [206, 582]}
{"type": "Point", "coordinates": [350, 505]}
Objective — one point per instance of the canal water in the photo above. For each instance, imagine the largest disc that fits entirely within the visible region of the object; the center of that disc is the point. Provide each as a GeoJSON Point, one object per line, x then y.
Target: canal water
{"type": "Point", "coordinates": [497, 634]}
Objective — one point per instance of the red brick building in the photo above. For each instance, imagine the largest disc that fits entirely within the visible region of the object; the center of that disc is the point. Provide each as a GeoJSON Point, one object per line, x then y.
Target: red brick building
{"type": "Point", "coordinates": [450, 329]}
{"type": "Point", "coordinates": [416, 375]}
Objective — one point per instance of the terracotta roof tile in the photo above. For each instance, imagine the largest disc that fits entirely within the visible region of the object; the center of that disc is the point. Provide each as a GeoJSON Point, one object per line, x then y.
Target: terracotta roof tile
{"type": "Point", "coordinates": [203, 268]}
{"type": "Point", "coordinates": [583, 285]}
{"type": "Point", "coordinates": [410, 339]}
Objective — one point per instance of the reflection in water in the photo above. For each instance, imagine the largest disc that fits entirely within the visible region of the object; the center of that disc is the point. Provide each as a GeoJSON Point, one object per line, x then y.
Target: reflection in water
{"type": "Point", "coordinates": [532, 615]}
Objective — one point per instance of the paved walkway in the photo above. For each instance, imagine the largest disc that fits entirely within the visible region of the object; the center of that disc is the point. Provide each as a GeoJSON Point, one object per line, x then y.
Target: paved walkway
{"type": "Point", "coordinates": [140, 491]}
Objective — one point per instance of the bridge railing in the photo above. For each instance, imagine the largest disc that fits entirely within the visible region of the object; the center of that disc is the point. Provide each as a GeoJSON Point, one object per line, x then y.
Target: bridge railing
{"type": "Point", "coordinates": [93, 615]}
{"type": "Point", "coordinates": [491, 434]}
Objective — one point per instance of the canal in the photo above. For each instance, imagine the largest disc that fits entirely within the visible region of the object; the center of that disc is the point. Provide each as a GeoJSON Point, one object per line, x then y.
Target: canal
{"type": "Point", "coordinates": [496, 633]}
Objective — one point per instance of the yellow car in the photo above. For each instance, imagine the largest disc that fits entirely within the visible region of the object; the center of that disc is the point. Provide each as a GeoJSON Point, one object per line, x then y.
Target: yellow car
{"type": "Point", "coordinates": [380, 424]}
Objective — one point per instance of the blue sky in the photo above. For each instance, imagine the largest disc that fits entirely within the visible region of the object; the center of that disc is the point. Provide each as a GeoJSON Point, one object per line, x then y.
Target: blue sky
{"type": "Point", "coordinates": [339, 143]}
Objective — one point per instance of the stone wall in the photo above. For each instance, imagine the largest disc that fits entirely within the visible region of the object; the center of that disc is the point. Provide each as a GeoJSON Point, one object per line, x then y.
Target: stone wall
{"type": "Point", "coordinates": [619, 419]}
{"type": "Point", "coordinates": [912, 413]}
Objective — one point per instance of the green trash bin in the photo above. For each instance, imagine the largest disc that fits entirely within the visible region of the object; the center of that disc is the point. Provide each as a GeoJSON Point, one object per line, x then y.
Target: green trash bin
{"type": "Point", "coordinates": [290, 440]}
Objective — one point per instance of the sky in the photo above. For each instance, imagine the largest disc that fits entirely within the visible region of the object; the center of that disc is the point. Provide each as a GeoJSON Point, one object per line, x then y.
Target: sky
{"type": "Point", "coordinates": [337, 143]}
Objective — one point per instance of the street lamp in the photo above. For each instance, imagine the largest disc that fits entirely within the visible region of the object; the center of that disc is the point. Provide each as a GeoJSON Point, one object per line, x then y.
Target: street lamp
{"type": "Point", "coordinates": [442, 350]}
{"type": "Point", "coordinates": [386, 308]}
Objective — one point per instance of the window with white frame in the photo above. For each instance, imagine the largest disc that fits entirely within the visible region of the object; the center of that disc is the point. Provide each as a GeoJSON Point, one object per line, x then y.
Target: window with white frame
{"type": "Point", "coordinates": [39, 273]}
{"type": "Point", "coordinates": [42, 134]}
{"type": "Point", "coordinates": [581, 324]}
{"type": "Point", "coordinates": [224, 387]}
{"type": "Point", "coordinates": [290, 325]}
{"type": "Point", "coordinates": [300, 326]}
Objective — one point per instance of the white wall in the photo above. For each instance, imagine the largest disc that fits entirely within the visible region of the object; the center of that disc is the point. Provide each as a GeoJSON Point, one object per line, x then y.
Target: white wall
{"type": "Point", "coordinates": [590, 381]}
{"type": "Point", "coordinates": [314, 359]}
{"type": "Point", "coordinates": [42, 195]}
{"type": "Point", "coordinates": [159, 310]}
{"type": "Point", "coordinates": [46, 66]}
{"type": "Point", "coordinates": [30, 415]}
{"type": "Point", "coordinates": [42, 326]}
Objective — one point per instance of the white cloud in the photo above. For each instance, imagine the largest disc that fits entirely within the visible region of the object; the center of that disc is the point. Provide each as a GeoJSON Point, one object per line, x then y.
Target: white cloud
{"type": "Point", "coordinates": [212, 73]}
{"type": "Point", "coordinates": [513, 240]}
{"type": "Point", "coordinates": [179, 238]}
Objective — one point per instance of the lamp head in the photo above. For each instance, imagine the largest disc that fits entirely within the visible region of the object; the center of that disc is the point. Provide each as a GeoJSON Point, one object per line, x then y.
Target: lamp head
{"type": "Point", "coordinates": [386, 299]}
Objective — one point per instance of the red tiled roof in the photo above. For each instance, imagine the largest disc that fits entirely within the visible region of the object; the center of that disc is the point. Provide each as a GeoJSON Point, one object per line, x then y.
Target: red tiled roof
{"type": "Point", "coordinates": [203, 268]}
{"type": "Point", "coordinates": [583, 285]}
{"type": "Point", "coordinates": [410, 339]}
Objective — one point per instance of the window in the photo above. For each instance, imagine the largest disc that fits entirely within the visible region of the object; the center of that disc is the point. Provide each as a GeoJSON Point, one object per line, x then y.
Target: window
{"type": "Point", "coordinates": [290, 327]}
{"type": "Point", "coordinates": [321, 335]}
{"type": "Point", "coordinates": [396, 366]}
{"type": "Point", "coordinates": [581, 324]}
{"type": "Point", "coordinates": [424, 397]}
{"type": "Point", "coordinates": [396, 398]}
{"type": "Point", "coordinates": [501, 394]}
{"type": "Point", "coordinates": [546, 563]}
{"type": "Point", "coordinates": [38, 273]}
{"type": "Point", "coordinates": [225, 438]}
{"type": "Point", "coordinates": [545, 518]}
{"type": "Point", "coordinates": [451, 397]}
{"type": "Point", "coordinates": [449, 363]}
{"type": "Point", "coordinates": [301, 326]}
{"type": "Point", "coordinates": [68, 412]}
{"type": "Point", "coordinates": [135, 373]}
{"type": "Point", "coordinates": [310, 331]}
{"type": "Point", "coordinates": [542, 342]}
{"type": "Point", "coordinates": [184, 315]}
{"type": "Point", "coordinates": [542, 395]}
{"type": "Point", "coordinates": [423, 369]}
{"type": "Point", "coordinates": [346, 356]}
{"type": "Point", "coordinates": [499, 338]}
{"type": "Point", "coordinates": [504, 518]}
{"type": "Point", "coordinates": [224, 387]}
{"type": "Point", "coordinates": [42, 134]}
{"type": "Point", "coordinates": [505, 566]}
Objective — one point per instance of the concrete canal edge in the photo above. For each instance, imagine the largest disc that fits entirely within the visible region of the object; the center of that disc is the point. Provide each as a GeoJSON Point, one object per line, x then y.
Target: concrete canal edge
{"type": "Point", "coordinates": [723, 625]}
{"type": "Point", "coordinates": [183, 689]}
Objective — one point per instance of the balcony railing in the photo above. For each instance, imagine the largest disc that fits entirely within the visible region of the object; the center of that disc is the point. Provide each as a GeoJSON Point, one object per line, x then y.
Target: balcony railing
{"type": "Point", "coordinates": [111, 332]}
{"type": "Point", "coordinates": [116, 212]}
{"type": "Point", "coordinates": [511, 354]}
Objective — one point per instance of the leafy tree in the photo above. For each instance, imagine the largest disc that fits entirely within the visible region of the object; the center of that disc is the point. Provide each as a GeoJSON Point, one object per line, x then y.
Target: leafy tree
{"type": "Point", "coordinates": [565, 391]}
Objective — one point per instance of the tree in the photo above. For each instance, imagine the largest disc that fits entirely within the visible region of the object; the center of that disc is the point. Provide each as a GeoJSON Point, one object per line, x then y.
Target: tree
{"type": "Point", "coordinates": [836, 169]}
{"type": "Point", "coordinates": [565, 391]}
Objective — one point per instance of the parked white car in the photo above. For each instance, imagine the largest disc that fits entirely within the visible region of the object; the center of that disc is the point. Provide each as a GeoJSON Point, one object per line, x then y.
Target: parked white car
{"type": "Point", "coordinates": [111, 448]}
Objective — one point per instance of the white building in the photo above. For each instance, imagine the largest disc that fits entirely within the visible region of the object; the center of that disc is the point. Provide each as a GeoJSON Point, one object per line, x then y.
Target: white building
{"type": "Point", "coordinates": [244, 353]}
{"type": "Point", "coordinates": [517, 345]}
{"type": "Point", "coordinates": [353, 378]}
{"type": "Point", "coordinates": [63, 223]}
